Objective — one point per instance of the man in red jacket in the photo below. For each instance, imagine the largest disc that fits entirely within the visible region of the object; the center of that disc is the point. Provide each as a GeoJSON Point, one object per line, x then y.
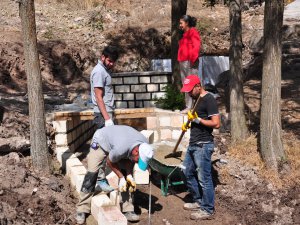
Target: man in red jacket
{"type": "Point", "coordinates": [188, 52]}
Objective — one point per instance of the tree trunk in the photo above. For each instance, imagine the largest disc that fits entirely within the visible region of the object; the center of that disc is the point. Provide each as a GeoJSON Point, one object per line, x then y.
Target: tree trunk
{"type": "Point", "coordinates": [239, 130]}
{"type": "Point", "coordinates": [270, 119]}
{"type": "Point", "coordinates": [179, 8]}
{"type": "Point", "coordinates": [38, 140]}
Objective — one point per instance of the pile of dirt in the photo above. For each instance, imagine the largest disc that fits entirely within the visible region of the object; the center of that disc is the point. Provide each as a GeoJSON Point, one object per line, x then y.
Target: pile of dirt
{"type": "Point", "coordinates": [29, 198]}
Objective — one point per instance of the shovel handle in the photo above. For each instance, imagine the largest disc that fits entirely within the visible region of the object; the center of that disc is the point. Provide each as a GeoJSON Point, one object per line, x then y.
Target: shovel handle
{"type": "Point", "coordinates": [187, 123]}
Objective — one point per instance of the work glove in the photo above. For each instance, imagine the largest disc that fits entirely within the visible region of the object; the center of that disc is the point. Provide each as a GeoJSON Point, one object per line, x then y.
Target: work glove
{"type": "Point", "coordinates": [122, 185]}
{"type": "Point", "coordinates": [109, 123]}
{"type": "Point", "coordinates": [193, 117]}
{"type": "Point", "coordinates": [131, 183]}
{"type": "Point", "coordinates": [185, 126]}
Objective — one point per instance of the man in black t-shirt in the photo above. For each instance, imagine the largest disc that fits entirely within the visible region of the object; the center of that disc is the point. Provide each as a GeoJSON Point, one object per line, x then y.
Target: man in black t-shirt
{"type": "Point", "coordinates": [197, 162]}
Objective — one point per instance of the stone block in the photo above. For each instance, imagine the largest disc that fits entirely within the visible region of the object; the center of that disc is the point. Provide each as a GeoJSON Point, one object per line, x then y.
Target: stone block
{"type": "Point", "coordinates": [152, 87]}
{"type": "Point", "coordinates": [158, 95]}
{"type": "Point", "coordinates": [140, 177]}
{"type": "Point", "coordinates": [71, 163]}
{"type": "Point", "coordinates": [62, 139]}
{"type": "Point", "coordinates": [131, 80]}
{"type": "Point", "coordinates": [115, 198]}
{"type": "Point", "coordinates": [118, 97]}
{"type": "Point", "coordinates": [76, 171]}
{"type": "Point", "coordinates": [165, 134]}
{"type": "Point", "coordinates": [131, 104]}
{"type": "Point", "coordinates": [138, 88]}
{"type": "Point", "coordinates": [148, 104]}
{"type": "Point", "coordinates": [97, 202]}
{"type": "Point", "coordinates": [151, 123]}
{"type": "Point", "coordinates": [144, 80]}
{"type": "Point", "coordinates": [143, 96]}
{"type": "Point", "coordinates": [122, 89]}
{"type": "Point", "coordinates": [113, 180]}
{"type": "Point", "coordinates": [162, 87]}
{"type": "Point", "coordinates": [78, 182]}
{"type": "Point", "coordinates": [159, 79]}
{"type": "Point", "coordinates": [165, 121]}
{"type": "Point", "coordinates": [176, 134]}
{"type": "Point", "coordinates": [149, 134]}
{"type": "Point", "coordinates": [176, 121]}
{"type": "Point", "coordinates": [117, 80]}
{"type": "Point", "coordinates": [139, 104]}
{"type": "Point", "coordinates": [121, 104]}
{"type": "Point", "coordinates": [61, 126]}
{"type": "Point", "coordinates": [60, 151]}
{"type": "Point", "coordinates": [128, 96]}
{"type": "Point", "coordinates": [111, 215]}
{"type": "Point", "coordinates": [156, 136]}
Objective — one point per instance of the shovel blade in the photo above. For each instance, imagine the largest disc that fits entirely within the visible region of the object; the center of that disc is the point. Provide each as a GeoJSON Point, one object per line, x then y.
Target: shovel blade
{"type": "Point", "coordinates": [174, 155]}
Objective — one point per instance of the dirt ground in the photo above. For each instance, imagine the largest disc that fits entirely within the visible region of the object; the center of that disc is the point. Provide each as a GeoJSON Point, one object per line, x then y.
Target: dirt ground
{"type": "Point", "coordinates": [70, 38]}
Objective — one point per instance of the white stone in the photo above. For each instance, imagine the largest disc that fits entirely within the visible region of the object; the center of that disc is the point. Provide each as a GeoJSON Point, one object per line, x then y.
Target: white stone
{"type": "Point", "coordinates": [165, 134]}
{"type": "Point", "coordinates": [148, 104]}
{"type": "Point", "coordinates": [159, 79]}
{"type": "Point", "coordinates": [61, 126]}
{"type": "Point", "coordinates": [131, 80]}
{"type": "Point", "coordinates": [117, 80]}
{"type": "Point", "coordinates": [140, 177]}
{"type": "Point", "coordinates": [121, 105]}
{"type": "Point", "coordinates": [131, 104]}
{"type": "Point", "coordinates": [156, 136]}
{"type": "Point", "coordinates": [162, 86]}
{"type": "Point", "coordinates": [165, 121]}
{"type": "Point", "coordinates": [144, 80]}
{"type": "Point", "coordinates": [122, 89]}
{"type": "Point", "coordinates": [152, 87]}
{"type": "Point", "coordinates": [70, 163]}
{"type": "Point", "coordinates": [113, 180]}
{"type": "Point", "coordinates": [111, 215]}
{"type": "Point", "coordinates": [138, 88]}
{"type": "Point", "coordinates": [99, 201]}
{"type": "Point", "coordinates": [78, 182]}
{"type": "Point", "coordinates": [118, 97]}
{"type": "Point", "coordinates": [76, 171]}
{"type": "Point", "coordinates": [151, 123]}
{"type": "Point", "coordinates": [176, 134]}
{"type": "Point", "coordinates": [177, 121]}
{"type": "Point", "coordinates": [149, 134]}
{"type": "Point", "coordinates": [158, 95]}
{"type": "Point", "coordinates": [128, 96]}
{"type": "Point", "coordinates": [62, 139]}
{"type": "Point", "coordinates": [143, 96]}
{"type": "Point", "coordinates": [115, 198]}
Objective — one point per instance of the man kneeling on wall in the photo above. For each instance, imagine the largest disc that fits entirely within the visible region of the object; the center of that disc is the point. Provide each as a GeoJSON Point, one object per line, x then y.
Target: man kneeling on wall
{"type": "Point", "coordinates": [120, 147]}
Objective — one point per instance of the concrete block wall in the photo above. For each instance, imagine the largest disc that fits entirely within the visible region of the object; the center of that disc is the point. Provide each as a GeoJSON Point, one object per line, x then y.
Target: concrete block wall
{"type": "Point", "coordinates": [73, 133]}
{"type": "Point", "coordinates": [139, 89]}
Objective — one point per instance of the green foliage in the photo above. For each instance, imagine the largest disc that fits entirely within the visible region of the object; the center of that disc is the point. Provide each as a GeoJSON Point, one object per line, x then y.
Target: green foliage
{"type": "Point", "coordinates": [172, 100]}
{"type": "Point", "coordinates": [96, 21]}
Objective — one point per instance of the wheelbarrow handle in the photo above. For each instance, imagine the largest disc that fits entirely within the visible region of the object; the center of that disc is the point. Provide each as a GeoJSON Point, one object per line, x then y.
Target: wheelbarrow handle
{"type": "Point", "coordinates": [187, 123]}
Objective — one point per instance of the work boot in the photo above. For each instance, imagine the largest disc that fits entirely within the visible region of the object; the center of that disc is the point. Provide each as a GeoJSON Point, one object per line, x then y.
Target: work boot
{"type": "Point", "coordinates": [201, 215]}
{"type": "Point", "coordinates": [132, 217]}
{"type": "Point", "coordinates": [102, 185]}
{"type": "Point", "coordinates": [191, 206]}
{"type": "Point", "coordinates": [80, 218]}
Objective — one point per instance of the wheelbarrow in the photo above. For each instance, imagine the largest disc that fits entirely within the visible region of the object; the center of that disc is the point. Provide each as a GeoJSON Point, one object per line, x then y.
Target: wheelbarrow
{"type": "Point", "coordinates": [171, 175]}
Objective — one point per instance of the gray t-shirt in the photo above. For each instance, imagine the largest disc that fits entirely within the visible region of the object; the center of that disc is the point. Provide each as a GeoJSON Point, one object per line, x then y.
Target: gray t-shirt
{"type": "Point", "coordinates": [118, 141]}
{"type": "Point", "coordinates": [100, 77]}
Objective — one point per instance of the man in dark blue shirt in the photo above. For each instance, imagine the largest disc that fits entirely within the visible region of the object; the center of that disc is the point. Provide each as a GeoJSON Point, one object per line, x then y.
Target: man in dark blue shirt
{"type": "Point", "coordinates": [197, 162]}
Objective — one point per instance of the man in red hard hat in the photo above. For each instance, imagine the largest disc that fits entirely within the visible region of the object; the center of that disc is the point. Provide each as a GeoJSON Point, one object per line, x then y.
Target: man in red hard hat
{"type": "Point", "coordinates": [197, 162]}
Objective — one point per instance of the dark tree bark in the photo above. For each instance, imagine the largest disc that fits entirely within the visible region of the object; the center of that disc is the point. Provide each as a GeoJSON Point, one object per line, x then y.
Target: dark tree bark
{"type": "Point", "coordinates": [270, 119]}
{"type": "Point", "coordinates": [38, 140]}
{"type": "Point", "coordinates": [179, 8]}
{"type": "Point", "coordinates": [239, 130]}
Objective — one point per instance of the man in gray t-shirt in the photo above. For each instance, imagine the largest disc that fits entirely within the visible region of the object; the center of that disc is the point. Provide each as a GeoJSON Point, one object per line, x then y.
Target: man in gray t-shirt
{"type": "Point", "coordinates": [101, 88]}
{"type": "Point", "coordinates": [120, 147]}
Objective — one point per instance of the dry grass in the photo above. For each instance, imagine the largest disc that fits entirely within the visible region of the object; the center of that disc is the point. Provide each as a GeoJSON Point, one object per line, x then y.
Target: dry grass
{"type": "Point", "coordinates": [247, 153]}
{"type": "Point", "coordinates": [78, 4]}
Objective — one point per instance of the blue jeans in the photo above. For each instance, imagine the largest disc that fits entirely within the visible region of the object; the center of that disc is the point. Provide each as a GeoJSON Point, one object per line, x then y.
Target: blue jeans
{"type": "Point", "coordinates": [197, 170]}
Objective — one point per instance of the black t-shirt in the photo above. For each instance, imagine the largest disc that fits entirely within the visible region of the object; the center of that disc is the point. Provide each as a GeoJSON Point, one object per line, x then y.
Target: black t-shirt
{"type": "Point", "coordinates": [206, 108]}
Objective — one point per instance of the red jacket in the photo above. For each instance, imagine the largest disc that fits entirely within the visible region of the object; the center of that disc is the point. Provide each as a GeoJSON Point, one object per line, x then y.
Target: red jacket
{"type": "Point", "coordinates": [189, 46]}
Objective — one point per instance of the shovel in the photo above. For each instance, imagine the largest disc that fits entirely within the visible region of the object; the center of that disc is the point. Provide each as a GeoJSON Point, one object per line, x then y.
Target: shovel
{"type": "Point", "coordinates": [178, 154]}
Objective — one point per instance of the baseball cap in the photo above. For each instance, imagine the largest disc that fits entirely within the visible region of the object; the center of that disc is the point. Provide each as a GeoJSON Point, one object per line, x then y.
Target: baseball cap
{"type": "Point", "coordinates": [189, 83]}
{"type": "Point", "coordinates": [145, 154]}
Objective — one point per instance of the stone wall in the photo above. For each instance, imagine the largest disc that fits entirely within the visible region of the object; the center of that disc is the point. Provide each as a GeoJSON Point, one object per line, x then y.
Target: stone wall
{"type": "Point", "coordinates": [139, 89]}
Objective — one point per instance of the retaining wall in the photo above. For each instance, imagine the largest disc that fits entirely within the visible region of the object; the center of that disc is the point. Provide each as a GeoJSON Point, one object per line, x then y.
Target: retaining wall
{"type": "Point", "coordinates": [139, 89]}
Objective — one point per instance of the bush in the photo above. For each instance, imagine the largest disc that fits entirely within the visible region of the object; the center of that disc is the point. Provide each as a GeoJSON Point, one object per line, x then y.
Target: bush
{"type": "Point", "coordinates": [172, 100]}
